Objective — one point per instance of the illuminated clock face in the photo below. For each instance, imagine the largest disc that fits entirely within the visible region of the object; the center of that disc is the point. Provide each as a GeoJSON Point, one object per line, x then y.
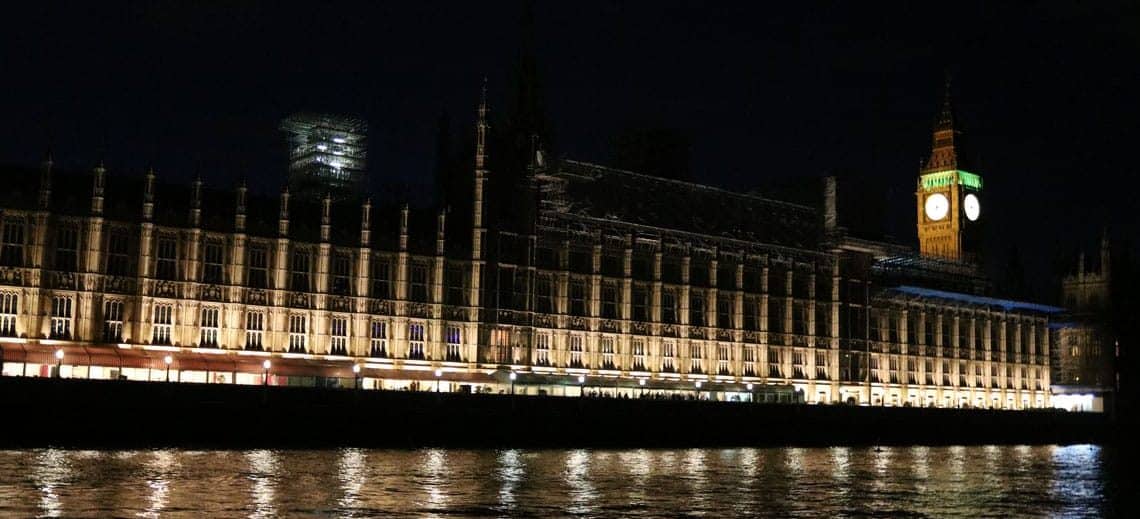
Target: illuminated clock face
{"type": "Point", "coordinates": [937, 206]}
{"type": "Point", "coordinates": [972, 207]}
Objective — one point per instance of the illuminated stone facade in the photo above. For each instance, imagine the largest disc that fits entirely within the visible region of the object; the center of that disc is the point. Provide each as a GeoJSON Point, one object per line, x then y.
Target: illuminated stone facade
{"type": "Point", "coordinates": [625, 284]}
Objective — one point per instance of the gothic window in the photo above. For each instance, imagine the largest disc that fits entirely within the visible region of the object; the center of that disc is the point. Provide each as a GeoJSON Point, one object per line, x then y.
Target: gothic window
{"type": "Point", "coordinates": [9, 309]}
{"type": "Point", "coordinates": [668, 353]}
{"type": "Point", "coordinates": [751, 313]}
{"type": "Point", "coordinates": [163, 323]}
{"type": "Point", "coordinates": [454, 286]}
{"type": "Point", "coordinates": [640, 302]}
{"type": "Point", "coordinates": [609, 300]}
{"type": "Point", "coordinates": [748, 355]}
{"type": "Point", "coordinates": [637, 349]}
{"type": "Point", "coordinates": [298, 333]}
{"type": "Point", "coordinates": [381, 278]}
{"type": "Point", "coordinates": [258, 267]}
{"type": "Point", "coordinates": [12, 249]}
{"type": "Point", "coordinates": [416, 341]}
{"type": "Point", "coordinates": [209, 327]}
{"type": "Point", "coordinates": [338, 333]}
{"type": "Point", "coordinates": [166, 266]}
{"type": "Point", "coordinates": [577, 297]}
{"type": "Point", "coordinates": [696, 356]}
{"type": "Point", "coordinates": [66, 248]}
{"type": "Point", "coordinates": [724, 310]}
{"type": "Point", "coordinates": [341, 273]}
{"type": "Point", "coordinates": [669, 306]}
{"type": "Point", "coordinates": [61, 317]}
{"type": "Point", "coordinates": [118, 260]}
{"type": "Point", "coordinates": [607, 349]}
{"type": "Point", "coordinates": [576, 351]}
{"type": "Point", "coordinates": [544, 295]}
{"type": "Point", "coordinates": [300, 270]}
{"type": "Point", "coordinates": [821, 365]}
{"type": "Point", "coordinates": [419, 285]}
{"type": "Point", "coordinates": [378, 339]}
{"type": "Point", "coordinates": [254, 330]}
{"type": "Point", "coordinates": [542, 349]}
{"type": "Point", "coordinates": [723, 357]}
{"type": "Point", "coordinates": [697, 308]}
{"type": "Point", "coordinates": [454, 337]}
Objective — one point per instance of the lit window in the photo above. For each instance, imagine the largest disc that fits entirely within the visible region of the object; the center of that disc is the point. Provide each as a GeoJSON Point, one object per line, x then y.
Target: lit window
{"type": "Point", "coordinates": [637, 349]}
{"type": "Point", "coordinates": [576, 351]}
{"type": "Point", "coordinates": [668, 352]}
{"type": "Point", "coordinates": [113, 321]}
{"type": "Point", "coordinates": [254, 330]}
{"type": "Point", "coordinates": [453, 337]}
{"type": "Point", "coordinates": [61, 317]}
{"type": "Point", "coordinates": [298, 333]}
{"type": "Point", "coordinates": [542, 349]}
{"type": "Point", "coordinates": [416, 341]}
{"type": "Point", "coordinates": [695, 362]}
{"type": "Point", "coordinates": [338, 328]}
{"type": "Point", "coordinates": [208, 335]}
{"type": "Point", "coordinates": [607, 348]}
{"type": "Point", "coordinates": [748, 355]}
{"type": "Point", "coordinates": [9, 308]}
{"type": "Point", "coordinates": [163, 323]}
{"type": "Point", "coordinates": [378, 339]}
{"type": "Point", "coordinates": [723, 357]}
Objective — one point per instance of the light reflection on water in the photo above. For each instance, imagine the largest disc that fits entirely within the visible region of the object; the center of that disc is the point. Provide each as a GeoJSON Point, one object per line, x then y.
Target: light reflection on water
{"type": "Point", "coordinates": [1059, 481]}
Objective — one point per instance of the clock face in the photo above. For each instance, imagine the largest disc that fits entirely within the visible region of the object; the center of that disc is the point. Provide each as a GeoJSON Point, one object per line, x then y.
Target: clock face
{"type": "Point", "coordinates": [937, 206]}
{"type": "Point", "coordinates": [972, 207]}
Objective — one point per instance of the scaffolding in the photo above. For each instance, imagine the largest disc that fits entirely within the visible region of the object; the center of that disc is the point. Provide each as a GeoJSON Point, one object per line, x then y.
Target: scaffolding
{"type": "Point", "coordinates": [327, 154]}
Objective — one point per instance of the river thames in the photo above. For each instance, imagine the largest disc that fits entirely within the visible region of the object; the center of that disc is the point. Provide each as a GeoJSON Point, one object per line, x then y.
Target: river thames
{"type": "Point", "coordinates": [1005, 481]}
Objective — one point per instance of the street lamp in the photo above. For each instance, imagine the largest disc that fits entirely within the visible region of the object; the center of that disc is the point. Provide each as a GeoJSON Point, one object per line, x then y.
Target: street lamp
{"type": "Point", "coordinates": [641, 382]}
{"type": "Point", "coordinates": [582, 385]}
{"type": "Point", "coordinates": [356, 375]}
{"type": "Point", "coordinates": [167, 360]}
{"type": "Point", "coordinates": [59, 363]}
{"type": "Point", "coordinates": [698, 390]}
{"type": "Point", "coordinates": [438, 374]}
{"type": "Point", "coordinates": [513, 377]}
{"type": "Point", "coordinates": [266, 365]}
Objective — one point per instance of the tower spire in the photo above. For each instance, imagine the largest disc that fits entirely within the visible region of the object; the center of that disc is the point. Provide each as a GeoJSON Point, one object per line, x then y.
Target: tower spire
{"type": "Point", "coordinates": [943, 153]}
{"type": "Point", "coordinates": [481, 130]}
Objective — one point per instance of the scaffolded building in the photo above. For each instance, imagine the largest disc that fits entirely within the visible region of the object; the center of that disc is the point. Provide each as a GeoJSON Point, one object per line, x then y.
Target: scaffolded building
{"type": "Point", "coordinates": [326, 155]}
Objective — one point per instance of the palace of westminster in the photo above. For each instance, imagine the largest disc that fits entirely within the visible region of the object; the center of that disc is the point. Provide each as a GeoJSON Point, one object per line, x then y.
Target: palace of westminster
{"type": "Point", "coordinates": [547, 276]}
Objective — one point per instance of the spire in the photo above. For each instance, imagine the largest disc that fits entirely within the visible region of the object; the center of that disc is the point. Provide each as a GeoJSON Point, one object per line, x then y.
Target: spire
{"type": "Point", "coordinates": [283, 217]}
{"type": "Point", "coordinates": [326, 216]}
{"type": "Point", "coordinates": [239, 210]}
{"type": "Point", "coordinates": [1104, 255]}
{"type": "Point", "coordinates": [481, 130]}
{"type": "Point", "coordinates": [943, 153]}
{"type": "Point", "coordinates": [366, 222]}
{"type": "Point", "coordinates": [196, 201]}
{"type": "Point", "coordinates": [45, 182]}
{"type": "Point", "coordinates": [148, 195]}
{"type": "Point", "coordinates": [97, 182]}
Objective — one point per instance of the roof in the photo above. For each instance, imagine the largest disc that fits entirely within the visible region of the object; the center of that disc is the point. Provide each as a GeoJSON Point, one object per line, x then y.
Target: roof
{"type": "Point", "coordinates": [612, 194]}
{"type": "Point", "coordinates": [1005, 304]}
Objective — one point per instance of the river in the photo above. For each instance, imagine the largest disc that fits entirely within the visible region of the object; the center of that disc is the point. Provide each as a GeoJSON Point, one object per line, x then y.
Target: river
{"type": "Point", "coordinates": [1005, 481]}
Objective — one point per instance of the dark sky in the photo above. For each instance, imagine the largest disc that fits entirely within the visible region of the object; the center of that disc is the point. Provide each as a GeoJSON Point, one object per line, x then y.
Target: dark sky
{"type": "Point", "coordinates": [1046, 92]}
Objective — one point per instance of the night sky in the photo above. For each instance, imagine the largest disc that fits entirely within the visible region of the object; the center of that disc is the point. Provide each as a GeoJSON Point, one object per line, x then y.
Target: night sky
{"type": "Point", "coordinates": [1046, 93]}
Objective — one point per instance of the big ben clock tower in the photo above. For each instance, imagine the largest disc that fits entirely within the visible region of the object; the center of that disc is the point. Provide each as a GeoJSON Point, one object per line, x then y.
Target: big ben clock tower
{"type": "Point", "coordinates": [949, 198]}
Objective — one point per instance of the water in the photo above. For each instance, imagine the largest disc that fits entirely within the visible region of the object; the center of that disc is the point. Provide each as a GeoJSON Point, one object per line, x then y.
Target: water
{"type": "Point", "coordinates": [1007, 481]}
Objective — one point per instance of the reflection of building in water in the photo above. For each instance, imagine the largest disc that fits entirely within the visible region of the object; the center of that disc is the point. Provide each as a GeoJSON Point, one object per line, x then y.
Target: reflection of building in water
{"type": "Point", "coordinates": [571, 276]}
{"type": "Point", "coordinates": [1083, 361]}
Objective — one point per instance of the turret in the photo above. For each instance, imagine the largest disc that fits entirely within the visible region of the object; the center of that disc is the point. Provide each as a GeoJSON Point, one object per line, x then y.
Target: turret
{"type": "Point", "coordinates": [239, 210]}
{"type": "Point", "coordinates": [366, 222]}
{"type": "Point", "coordinates": [148, 196]}
{"type": "Point", "coordinates": [45, 182]}
{"type": "Point", "coordinates": [97, 186]}
{"type": "Point", "coordinates": [326, 217]}
{"type": "Point", "coordinates": [196, 202]}
{"type": "Point", "coordinates": [283, 217]}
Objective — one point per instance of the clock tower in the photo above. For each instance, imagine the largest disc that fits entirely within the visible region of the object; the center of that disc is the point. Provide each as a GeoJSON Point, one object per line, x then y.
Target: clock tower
{"type": "Point", "coordinates": [949, 198]}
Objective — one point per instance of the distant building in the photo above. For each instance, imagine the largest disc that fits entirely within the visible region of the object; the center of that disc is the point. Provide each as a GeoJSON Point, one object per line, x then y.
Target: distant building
{"type": "Point", "coordinates": [1084, 356]}
{"type": "Point", "coordinates": [326, 155]}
